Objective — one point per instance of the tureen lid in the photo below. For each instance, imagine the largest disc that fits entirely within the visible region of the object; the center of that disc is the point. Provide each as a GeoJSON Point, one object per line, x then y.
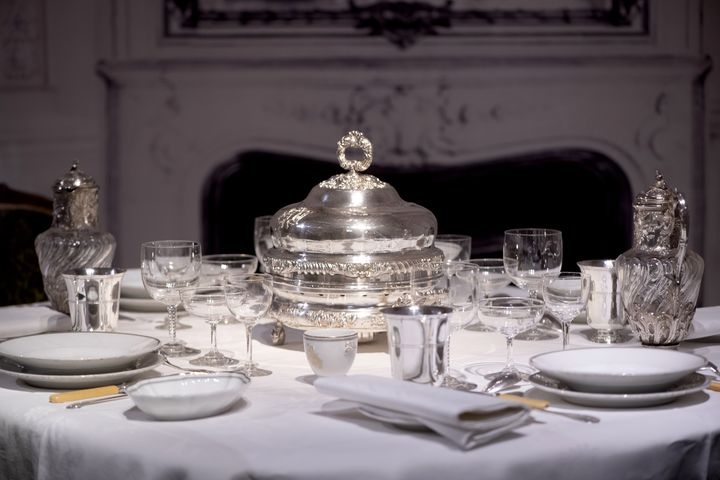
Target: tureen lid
{"type": "Point", "coordinates": [353, 213]}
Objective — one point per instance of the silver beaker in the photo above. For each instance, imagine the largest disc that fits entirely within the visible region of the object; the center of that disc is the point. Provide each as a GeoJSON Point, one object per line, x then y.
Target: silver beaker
{"type": "Point", "coordinates": [604, 307]}
{"type": "Point", "coordinates": [94, 298]}
{"type": "Point", "coordinates": [417, 339]}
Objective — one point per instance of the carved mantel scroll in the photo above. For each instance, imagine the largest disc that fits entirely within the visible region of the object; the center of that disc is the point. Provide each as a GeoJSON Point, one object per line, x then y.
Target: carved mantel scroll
{"type": "Point", "coordinates": [402, 23]}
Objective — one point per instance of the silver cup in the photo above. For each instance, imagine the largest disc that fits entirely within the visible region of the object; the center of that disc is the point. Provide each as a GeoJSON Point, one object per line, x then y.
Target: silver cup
{"type": "Point", "coordinates": [417, 338]}
{"type": "Point", "coordinates": [94, 298]}
{"type": "Point", "coordinates": [604, 308]}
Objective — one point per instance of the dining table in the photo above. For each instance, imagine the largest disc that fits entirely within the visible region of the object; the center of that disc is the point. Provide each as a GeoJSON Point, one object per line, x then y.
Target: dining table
{"type": "Point", "coordinates": [283, 427]}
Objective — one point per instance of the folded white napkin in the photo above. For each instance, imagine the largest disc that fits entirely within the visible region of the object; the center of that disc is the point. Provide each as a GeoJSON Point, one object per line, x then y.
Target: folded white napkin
{"type": "Point", "coordinates": [706, 323]}
{"type": "Point", "coordinates": [30, 319]}
{"type": "Point", "coordinates": [467, 419]}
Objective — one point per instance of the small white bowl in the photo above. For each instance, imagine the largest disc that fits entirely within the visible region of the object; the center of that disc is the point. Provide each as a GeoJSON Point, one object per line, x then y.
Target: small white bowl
{"type": "Point", "coordinates": [183, 397]}
{"type": "Point", "coordinates": [618, 369]}
{"type": "Point", "coordinates": [330, 351]}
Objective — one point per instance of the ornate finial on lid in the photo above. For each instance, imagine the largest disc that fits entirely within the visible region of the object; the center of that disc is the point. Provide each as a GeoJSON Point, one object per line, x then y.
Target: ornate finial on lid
{"type": "Point", "coordinates": [73, 180]}
{"type": "Point", "coordinates": [352, 180]}
{"type": "Point", "coordinates": [355, 140]}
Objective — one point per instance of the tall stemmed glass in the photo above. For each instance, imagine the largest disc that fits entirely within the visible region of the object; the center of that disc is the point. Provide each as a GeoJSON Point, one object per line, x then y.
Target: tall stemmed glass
{"type": "Point", "coordinates": [491, 278]}
{"type": "Point", "coordinates": [217, 268]}
{"type": "Point", "coordinates": [208, 303]}
{"type": "Point", "coordinates": [248, 298]}
{"type": "Point", "coordinates": [262, 238]}
{"type": "Point", "coordinates": [565, 297]}
{"type": "Point", "coordinates": [452, 284]}
{"type": "Point", "coordinates": [167, 266]}
{"type": "Point", "coordinates": [529, 254]}
{"type": "Point", "coordinates": [509, 316]}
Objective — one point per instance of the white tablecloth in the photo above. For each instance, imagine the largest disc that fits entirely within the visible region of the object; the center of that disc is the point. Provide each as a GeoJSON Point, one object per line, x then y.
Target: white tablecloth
{"type": "Point", "coordinates": [280, 430]}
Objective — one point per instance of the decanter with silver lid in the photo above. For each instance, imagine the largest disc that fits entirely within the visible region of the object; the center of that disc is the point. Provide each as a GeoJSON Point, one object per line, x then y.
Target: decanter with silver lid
{"type": "Point", "coordinates": [660, 276]}
{"type": "Point", "coordinates": [348, 249]}
{"type": "Point", "coordinates": [73, 241]}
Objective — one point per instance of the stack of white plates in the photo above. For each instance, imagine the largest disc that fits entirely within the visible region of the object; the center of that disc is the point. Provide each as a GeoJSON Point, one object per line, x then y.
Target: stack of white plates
{"type": "Point", "coordinates": [134, 297]}
{"type": "Point", "coordinates": [619, 377]}
{"type": "Point", "coordinates": [78, 359]}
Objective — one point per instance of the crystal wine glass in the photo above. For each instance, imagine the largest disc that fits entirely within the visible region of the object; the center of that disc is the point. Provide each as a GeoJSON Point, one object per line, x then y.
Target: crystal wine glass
{"type": "Point", "coordinates": [262, 238]}
{"type": "Point", "coordinates": [491, 275]}
{"type": "Point", "coordinates": [452, 284]}
{"type": "Point", "coordinates": [217, 268]}
{"type": "Point", "coordinates": [208, 303]}
{"type": "Point", "coordinates": [166, 267]}
{"type": "Point", "coordinates": [508, 316]}
{"type": "Point", "coordinates": [529, 254]}
{"type": "Point", "coordinates": [248, 298]}
{"type": "Point", "coordinates": [565, 297]}
{"type": "Point", "coordinates": [491, 278]}
{"type": "Point", "coordinates": [454, 246]}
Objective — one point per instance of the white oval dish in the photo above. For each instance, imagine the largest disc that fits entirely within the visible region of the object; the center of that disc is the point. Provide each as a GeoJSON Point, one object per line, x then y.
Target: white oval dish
{"type": "Point", "coordinates": [144, 364]}
{"type": "Point", "coordinates": [619, 369]}
{"type": "Point", "coordinates": [78, 352]}
{"type": "Point", "coordinates": [184, 397]}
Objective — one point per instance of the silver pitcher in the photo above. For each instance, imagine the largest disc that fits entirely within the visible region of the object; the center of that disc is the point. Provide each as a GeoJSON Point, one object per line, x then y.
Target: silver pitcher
{"type": "Point", "coordinates": [660, 276]}
{"type": "Point", "coordinates": [604, 307]}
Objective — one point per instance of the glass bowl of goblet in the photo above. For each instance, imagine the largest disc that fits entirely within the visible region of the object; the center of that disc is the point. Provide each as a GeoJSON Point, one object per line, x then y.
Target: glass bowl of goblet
{"type": "Point", "coordinates": [208, 303]}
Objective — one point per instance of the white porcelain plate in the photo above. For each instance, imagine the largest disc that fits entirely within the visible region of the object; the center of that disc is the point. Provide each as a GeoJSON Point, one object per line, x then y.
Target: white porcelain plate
{"type": "Point", "coordinates": [142, 305]}
{"type": "Point", "coordinates": [144, 364]}
{"type": "Point", "coordinates": [692, 383]}
{"type": "Point", "coordinates": [132, 285]}
{"type": "Point", "coordinates": [183, 397]}
{"type": "Point", "coordinates": [75, 353]}
{"type": "Point", "coordinates": [618, 369]}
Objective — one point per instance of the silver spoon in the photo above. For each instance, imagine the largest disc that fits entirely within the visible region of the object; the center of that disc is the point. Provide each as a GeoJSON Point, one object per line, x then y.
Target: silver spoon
{"type": "Point", "coordinates": [502, 381]}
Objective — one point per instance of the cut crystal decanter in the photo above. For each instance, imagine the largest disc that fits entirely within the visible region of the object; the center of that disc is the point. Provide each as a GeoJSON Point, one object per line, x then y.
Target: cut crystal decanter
{"type": "Point", "coordinates": [73, 241]}
{"type": "Point", "coordinates": [660, 276]}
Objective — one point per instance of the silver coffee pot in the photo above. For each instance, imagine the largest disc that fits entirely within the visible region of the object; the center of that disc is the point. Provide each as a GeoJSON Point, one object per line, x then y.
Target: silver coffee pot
{"type": "Point", "coordinates": [660, 276]}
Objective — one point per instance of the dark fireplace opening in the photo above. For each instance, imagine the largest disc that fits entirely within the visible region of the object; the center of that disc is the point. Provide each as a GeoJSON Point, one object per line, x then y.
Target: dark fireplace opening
{"type": "Point", "coordinates": [583, 193]}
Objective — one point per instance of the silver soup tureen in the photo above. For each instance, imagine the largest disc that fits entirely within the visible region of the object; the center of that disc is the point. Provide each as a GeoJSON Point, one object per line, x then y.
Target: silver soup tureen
{"type": "Point", "coordinates": [349, 249]}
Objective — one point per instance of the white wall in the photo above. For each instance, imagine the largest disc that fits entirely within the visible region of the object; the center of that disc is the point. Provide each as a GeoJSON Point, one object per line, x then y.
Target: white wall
{"type": "Point", "coordinates": [55, 113]}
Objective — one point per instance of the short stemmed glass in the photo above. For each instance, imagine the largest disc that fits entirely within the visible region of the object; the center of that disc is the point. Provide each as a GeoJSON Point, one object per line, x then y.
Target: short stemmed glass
{"type": "Point", "coordinates": [565, 297]}
{"type": "Point", "coordinates": [249, 297]}
{"type": "Point", "coordinates": [508, 316]}
{"type": "Point", "coordinates": [208, 303]}
{"type": "Point", "coordinates": [529, 254]}
{"type": "Point", "coordinates": [262, 238]}
{"type": "Point", "coordinates": [167, 266]}
{"type": "Point", "coordinates": [452, 284]}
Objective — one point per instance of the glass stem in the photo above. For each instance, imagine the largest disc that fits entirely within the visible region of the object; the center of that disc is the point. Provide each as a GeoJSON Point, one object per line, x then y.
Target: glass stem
{"type": "Point", "coordinates": [248, 345]}
{"type": "Point", "coordinates": [213, 337]}
{"type": "Point", "coordinates": [172, 322]}
{"type": "Point", "coordinates": [509, 360]}
{"type": "Point", "coordinates": [565, 334]}
{"type": "Point", "coordinates": [446, 360]}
